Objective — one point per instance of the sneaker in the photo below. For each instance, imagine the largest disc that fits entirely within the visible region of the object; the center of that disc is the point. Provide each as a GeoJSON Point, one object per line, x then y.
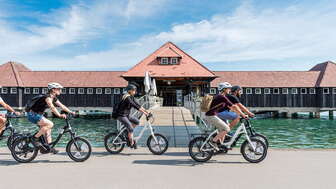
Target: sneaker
{"type": "Point", "coordinates": [135, 146]}
{"type": "Point", "coordinates": [53, 151]}
{"type": "Point", "coordinates": [36, 142]}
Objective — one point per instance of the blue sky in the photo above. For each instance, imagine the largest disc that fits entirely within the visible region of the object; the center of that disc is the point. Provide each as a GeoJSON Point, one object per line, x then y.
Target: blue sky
{"type": "Point", "coordinates": [117, 34]}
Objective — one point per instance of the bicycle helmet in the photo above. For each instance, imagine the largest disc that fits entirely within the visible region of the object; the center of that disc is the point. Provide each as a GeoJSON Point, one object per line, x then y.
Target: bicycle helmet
{"type": "Point", "coordinates": [224, 85]}
{"type": "Point", "coordinates": [54, 86]}
{"type": "Point", "coordinates": [236, 88]}
{"type": "Point", "coordinates": [131, 87]}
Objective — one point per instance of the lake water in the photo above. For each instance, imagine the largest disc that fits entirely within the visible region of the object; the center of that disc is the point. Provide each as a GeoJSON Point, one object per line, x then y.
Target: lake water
{"type": "Point", "coordinates": [282, 133]}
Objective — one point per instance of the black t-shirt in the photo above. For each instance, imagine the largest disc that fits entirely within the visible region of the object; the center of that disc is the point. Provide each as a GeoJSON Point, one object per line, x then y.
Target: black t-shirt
{"type": "Point", "coordinates": [126, 105]}
{"type": "Point", "coordinates": [41, 105]}
{"type": "Point", "coordinates": [234, 100]}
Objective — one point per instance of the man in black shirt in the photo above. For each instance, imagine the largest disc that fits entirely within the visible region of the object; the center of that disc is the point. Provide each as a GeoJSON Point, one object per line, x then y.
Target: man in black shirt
{"type": "Point", "coordinates": [226, 114]}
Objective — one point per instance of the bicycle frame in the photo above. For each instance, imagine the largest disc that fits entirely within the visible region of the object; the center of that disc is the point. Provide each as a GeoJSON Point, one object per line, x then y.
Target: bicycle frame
{"type": "Point", "coordinates": [240, 131]}
{"type": "Point", "coordinates": [66, 129]}
{"type": "Point", "coordinates": [148, 126]}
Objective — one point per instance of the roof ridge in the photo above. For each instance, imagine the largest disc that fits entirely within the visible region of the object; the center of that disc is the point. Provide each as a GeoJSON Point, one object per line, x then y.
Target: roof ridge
{"type": "Point", "coordinates": [192, 58]}
{"type": "Point", "coordinates": [16, 74]}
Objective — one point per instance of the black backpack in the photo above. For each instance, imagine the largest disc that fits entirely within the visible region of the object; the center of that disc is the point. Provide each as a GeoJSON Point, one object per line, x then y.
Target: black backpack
{"type": "Point", "coordinates": [32, 102]}
{"type": "Point", "coordinates": [115, 111]}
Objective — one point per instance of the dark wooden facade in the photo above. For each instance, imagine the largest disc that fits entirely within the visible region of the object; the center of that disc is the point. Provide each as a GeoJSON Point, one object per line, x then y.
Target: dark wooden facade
{"type": "Point", "coordinates": [320, 99]}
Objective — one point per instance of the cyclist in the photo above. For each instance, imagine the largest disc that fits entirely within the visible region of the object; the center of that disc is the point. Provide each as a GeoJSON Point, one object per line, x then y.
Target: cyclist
{"type": "Point", "coordinates": [124, 109]}
{"type": "Point", "coordinates": [225, 113]}
{"type": "Point", "coordinates": [219, 102]}
{"type": "Point", "coordinates": [2, 117]}
{"type": "Point", "coordinates": [37, 109]}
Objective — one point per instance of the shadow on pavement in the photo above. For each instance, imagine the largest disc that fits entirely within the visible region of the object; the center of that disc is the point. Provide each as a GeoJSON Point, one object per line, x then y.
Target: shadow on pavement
{"type": "Point", "coordinates": [182, 162]}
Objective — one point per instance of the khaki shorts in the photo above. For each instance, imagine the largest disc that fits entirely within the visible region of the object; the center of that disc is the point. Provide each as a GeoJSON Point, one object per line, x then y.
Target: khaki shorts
{"type": "Point", "coordinates": [218, 123]}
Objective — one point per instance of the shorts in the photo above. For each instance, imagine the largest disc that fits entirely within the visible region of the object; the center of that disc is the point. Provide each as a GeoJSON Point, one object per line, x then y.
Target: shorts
{"type": "Point", "coordinates": [34, 117]}
{"type": "Point", "coordinates": [128, 122]}
{"type": "Point", "coordinates": [227, 115]}
{"type": "Point", "coordinates": [219, 124]}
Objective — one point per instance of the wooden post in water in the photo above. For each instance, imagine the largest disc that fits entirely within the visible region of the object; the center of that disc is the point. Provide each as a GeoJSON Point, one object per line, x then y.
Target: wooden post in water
{"type": "Point", "coordinates": [331, 114]}
{"type": "Point", "coordinates": [311, 114]}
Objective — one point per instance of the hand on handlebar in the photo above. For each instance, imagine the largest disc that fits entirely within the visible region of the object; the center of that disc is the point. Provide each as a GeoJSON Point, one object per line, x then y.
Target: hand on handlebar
{"type": "Point", "coordinates": [17, 113]}
{"type": "Point", "coordinates": [63, 116]}
{"type": "Point", "coordinates": [251, 114]}
{"type": "Point", "coordinates": [244, 116]}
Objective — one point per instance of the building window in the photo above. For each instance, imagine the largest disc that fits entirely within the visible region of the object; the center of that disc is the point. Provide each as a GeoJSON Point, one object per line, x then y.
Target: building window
{"type": "Point", "coordinates": [248, 91]}
{"type": "Point", "coordinates": [90, 91]}
{"type": "Point", "coordinates": [4, 90]}
{"type": "Point", "coordinates": [44, 90]}
{"type": "Point", "coordinates": [99, 91]}
{"type": "Point", "coordinates": [303, 91]}
{"type": "Point", "coordinates": [63, 91]}
{"type": "Point", "coordinates": [267, 91]}
{"type": "Point", "coordinates": [124, 90]}
{"type": "Point", "coordinates": [164, 61]}
{"type": "Point", "coordinates": [213, 91]}
{"type": "Point", "coordinates": [72, 91]}
{"type": "Point", "coordinates": [36, 91]}
{"type": "Point", "coordinates": [334, 90]}
{"type": "Point", "coordinates": [116, 91]}
{"type": "Point", "coordinates": [294, 91]}
{"type": "Point", "coordinates": [325, 90]}
{"type": "Point", "coordinates": [174, 61]}
{"type": "Point", "coordinates": [312, 91]}
{"type": "Point", "coordinates": [81, 91]}
{"type": "Point", "coordinates": [27, 91]}
{"type": "Point", "coordinates": [276, 91]}
{"type": "Point", "coordinates": [108, 91]}
{"type": "Point", "coordinates": [258, 91]}
{"type": "Point", "coordinates": [13, 90]}
{"type": "Point", "coordinates": [284, 91]}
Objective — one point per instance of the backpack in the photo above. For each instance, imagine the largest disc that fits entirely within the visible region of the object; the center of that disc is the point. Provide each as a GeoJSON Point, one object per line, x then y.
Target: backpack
{"type": "Point", "coordinates": [115, 111]}
{"type": "Point", "coordinates": [206, 103]}
{"type": "Point", "coordinates": [32, 102]}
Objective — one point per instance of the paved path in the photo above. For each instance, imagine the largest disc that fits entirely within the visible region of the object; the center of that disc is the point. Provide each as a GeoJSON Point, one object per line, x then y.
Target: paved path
{"type": "Point", "coordinates": [283, 169]}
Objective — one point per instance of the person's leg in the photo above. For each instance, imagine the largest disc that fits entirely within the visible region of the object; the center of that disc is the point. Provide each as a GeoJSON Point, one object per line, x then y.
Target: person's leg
{"type": "Point", "coordinates": [2, 123]}
{"type": "Point", "coordinates": [45, 129]}
{"type": "Point", "coordinates": [126, 122]}
{"type": "Point", "coordinates": [223, 129]}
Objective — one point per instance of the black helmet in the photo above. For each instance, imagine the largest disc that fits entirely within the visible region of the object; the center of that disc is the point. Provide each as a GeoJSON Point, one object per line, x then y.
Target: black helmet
{"type": "Point", "coordinates": [131, 87]}
{"type": "Point", "coordinates": [236, 88]}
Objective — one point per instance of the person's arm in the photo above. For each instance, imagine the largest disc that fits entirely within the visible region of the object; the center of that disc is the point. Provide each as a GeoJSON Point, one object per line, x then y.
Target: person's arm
{"type": "Point", "coordinates": [63, 107]}
{"type": "Point", "coordinates": [8, 107]}
{"type": "Point", "coordinates": [244, 109]}
{"type": "Point", "coordinates": [236, 109]}
{"type": "Point", "coordinates": [50, 103]}
{"type": "Point", "coordinates": [137, 106]}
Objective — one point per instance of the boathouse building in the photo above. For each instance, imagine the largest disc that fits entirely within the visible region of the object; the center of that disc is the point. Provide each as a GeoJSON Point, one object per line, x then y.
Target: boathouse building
{"type": "Point", "coordinates": [177, 74]}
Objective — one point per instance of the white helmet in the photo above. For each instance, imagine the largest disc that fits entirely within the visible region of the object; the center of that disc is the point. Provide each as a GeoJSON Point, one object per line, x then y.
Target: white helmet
{"type": "Point", "coordinates": [224, 85]}
{"type": "Point", "coordinates": [54, 86]}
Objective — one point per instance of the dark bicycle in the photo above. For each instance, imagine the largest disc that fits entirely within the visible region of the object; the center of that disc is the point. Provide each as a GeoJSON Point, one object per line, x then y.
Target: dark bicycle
{"type": "Point", "coordinates": [9, 128]}
{"type": "Point", "coordinates": [78, 148]}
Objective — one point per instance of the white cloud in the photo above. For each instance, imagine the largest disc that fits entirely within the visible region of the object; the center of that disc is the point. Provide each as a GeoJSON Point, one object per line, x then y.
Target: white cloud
{"type": "Point", "coordinates": [295, 32]}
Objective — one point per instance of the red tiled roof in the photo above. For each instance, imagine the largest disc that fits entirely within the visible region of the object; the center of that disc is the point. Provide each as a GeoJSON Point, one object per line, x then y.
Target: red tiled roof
{"type": "Point", "coordinates": [268, 78]}
{"type": "Point", "coordinates": [188, 67]}
{"type": "Point", "coordinates": [73, 78]}
{"type": "Point", "coordinates": [9, 74]}
{"type": "Point", "coordinates": [168, 52]}
{"type": "Point", "coordinates": [327, 76]}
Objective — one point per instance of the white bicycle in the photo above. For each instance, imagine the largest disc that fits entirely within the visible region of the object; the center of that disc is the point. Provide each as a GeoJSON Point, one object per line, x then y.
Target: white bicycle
{"type": "Point", "coordinates": [157, 143]}
{"type": "Point", "coordinates": [253, 149]}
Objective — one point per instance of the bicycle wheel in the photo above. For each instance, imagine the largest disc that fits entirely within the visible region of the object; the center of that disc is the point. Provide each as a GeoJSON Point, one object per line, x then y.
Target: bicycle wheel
{"type": "Point", "coordinates": [79, 149]}
{"type": "Point", "coordinates": [114, 147]}
{"type": "Point", "coordinates": [11, 140]}
{"type": "Point", "coordinates": [254, 156]}
{"type": "Point", "coordinates": [198, 154]}
{"type": "Point", "coordinates": [262, 138]}
{"type": "Point", "coordinates": [23, 150]}
{"type": "Point", "coordinates": [158, 147]}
